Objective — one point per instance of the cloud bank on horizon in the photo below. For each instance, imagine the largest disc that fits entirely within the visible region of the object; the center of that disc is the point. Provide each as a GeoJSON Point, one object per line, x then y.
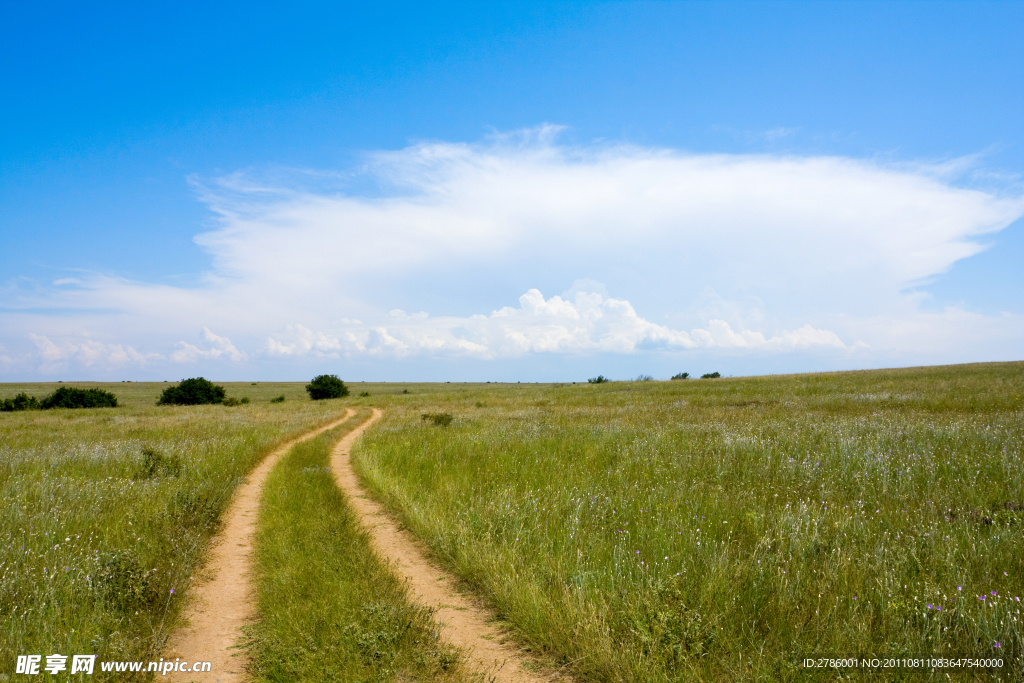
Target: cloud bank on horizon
{"type": "Point", "coordinates": [610, 249]}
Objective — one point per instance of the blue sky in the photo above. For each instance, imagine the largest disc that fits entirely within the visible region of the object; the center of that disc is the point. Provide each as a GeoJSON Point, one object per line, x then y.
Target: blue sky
{"type": "Point", "coordinates": [522, 191]}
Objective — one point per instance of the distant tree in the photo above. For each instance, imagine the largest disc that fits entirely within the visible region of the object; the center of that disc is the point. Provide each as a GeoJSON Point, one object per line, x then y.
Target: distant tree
{"type": "Point", "coordinates": [192, 392]}
{"type": "Point", "coordinates": [70, 397]}
{"type": "Point", "coordinates": [710, 375]}
{"type": "Point", "coordinates": [20, 402]}
{"type": "Point", "coordinates": [600, 379]}
{"type": "Point", "coordinates": [681, 375]}
{"type": "Point", "coordinates": [326, 386]}
{"type": "Point", "coordinates": [644, 378]}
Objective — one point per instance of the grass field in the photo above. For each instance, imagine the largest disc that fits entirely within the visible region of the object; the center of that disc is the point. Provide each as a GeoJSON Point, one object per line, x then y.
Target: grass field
{"type": "Point", "coordinates": [724, 529]}
{"type": "Point", "coordinates": [634, 531]}
{"type": "Point", "coordinates": [98, 541]}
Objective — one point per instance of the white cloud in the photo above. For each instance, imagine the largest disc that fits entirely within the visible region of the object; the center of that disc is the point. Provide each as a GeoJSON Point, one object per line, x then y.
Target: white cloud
{"type": "Point", "coordinates": [84, 353]}
{"type": "Point", "coordinates": [797, 253]}
{"type": "Point", "coordinates": [221, 346]}
{"type": "Point", "coordinates": [588, 324]}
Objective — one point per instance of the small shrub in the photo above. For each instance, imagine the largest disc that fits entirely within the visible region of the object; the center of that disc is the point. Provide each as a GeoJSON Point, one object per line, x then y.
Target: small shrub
{"type": "Point", "coordinates": [479, 404]}
{"type": "Point", "coordinates": [279, 399]}
{"type": "Point", "coordinates": [600, 379]}
{"type": "Point", "coordinates": [154, 463]}
{"type": "Point", "coordinates": [232, 401]}
{"type": "Point", "coordinates": [681, 375]}
{"type": "Point", "coordinates": [245, 400]}
{"type": "Point", "coordinates": [192, 392]}
{"type": "Point", "coordinates": [711, 375]}
{"type": "Point", "coordinates": [69, 397]}
{"type": "Point", "coordinates": [440, 419]}
{"type": "Point", "coordinates": [326, 386]}
{"type": "Point", "coordinates": [364, 394]}
{"type": "Point", "coordinates": [20, 402]}
{"type": "Point", "coordinates": [121, 581]}
{"type": "Point", "coordinates": [644, 378]}
{"type": "Point", "coordinates": [405, 391]}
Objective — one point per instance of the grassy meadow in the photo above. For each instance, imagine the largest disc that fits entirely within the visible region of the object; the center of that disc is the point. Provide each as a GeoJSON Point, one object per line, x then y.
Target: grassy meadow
{"type": "Point", "coordinates": [692, 530]}
{"type": "Point", "coordinates": [108, 512]}
{"type": "Point", "coordinates": [722, 530]}
{"type": "Point", "coordinates": [329, 609]}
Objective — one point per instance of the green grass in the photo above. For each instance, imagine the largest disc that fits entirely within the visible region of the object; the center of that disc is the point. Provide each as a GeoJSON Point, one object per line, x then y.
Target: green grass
{"type": "Point", "coordinates": [329, 610]}
{"type": "Point", "coordinates": [723, 529]}
{"type": "Point", "coordinates": [106, 511]}
{"type": "Point", "coordinates": [643, 531]}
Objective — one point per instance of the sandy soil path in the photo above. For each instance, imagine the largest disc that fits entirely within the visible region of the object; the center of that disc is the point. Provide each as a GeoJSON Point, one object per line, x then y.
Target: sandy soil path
{"type": "Point", "coordinates": [219, 607]}
{"type": "Point", "coordinates": [463, 623]}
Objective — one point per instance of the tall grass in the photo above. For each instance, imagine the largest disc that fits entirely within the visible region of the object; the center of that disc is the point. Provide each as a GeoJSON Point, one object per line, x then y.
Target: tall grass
{"type": "Point", "coordinates": [724, 530]}
{"type": "Point", "coordinates": [108, 512]}
{"type": "Point", "coordinates": [329, 610]}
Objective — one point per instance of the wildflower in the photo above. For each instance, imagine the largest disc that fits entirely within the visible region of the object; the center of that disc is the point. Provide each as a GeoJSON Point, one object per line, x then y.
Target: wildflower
{"type": "Point", "coordinates": [993, 592]}
{"type": "Point", "coordinates": [998, 644]}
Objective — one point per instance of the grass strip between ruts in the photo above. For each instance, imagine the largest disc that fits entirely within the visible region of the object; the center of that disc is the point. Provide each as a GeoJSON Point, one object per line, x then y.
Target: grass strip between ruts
{"type": "Point", "coordinates": [329, 609]}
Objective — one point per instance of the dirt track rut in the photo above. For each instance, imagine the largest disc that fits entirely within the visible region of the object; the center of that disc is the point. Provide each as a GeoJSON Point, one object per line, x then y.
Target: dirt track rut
{"type": "Point", "coordinates": [220, 606]}
{"type": "Point", "coordinates": [462, 622]}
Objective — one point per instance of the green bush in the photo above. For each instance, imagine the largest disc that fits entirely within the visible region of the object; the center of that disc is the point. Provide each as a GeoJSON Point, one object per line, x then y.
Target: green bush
{"type": "Point", "coordinates": [232, 401]}
{"type": "Point", "coordinates": [279, 399]}
{"type": "Point", "coordinates": [710, 375]}
{"type": "Point", "coordinates": [326, 386]}
{"type": "Point", "coordinates": [440, 419]}
{"type": "Point", "coordinates": [364, 394]}
{"type": "Point", "coordinates": [69, 397]}
{"type": "Point", "coordinates": [600, 379]}
{"type": "Point", "coordinates": [121, 581]}
{"type": "Point", "coordinates": [154, 464]}
{"type": "Point", "coordinates": [681, 375]}
{"type": "Point", "coordinates": [192, 392]}
{"type": "Point", "coordinates": [20, 402]}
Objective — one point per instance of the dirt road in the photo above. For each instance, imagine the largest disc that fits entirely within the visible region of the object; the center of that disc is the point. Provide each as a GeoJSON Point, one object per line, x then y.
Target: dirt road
{"type": "Point", "coordinates": [220, 606]}
{"type": "Point", "coordinates": [463, 623]}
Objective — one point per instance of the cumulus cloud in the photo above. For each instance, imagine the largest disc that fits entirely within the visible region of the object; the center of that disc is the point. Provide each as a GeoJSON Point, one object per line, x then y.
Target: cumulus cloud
{"type": "Point", "coordinates": [88, 353]}
{"type": "Point", "coordinates": [801, 253]}
{"type": "Point", "coordinates": [588, 324]}
{"type": "Point", "coordinates": [219, 347]}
